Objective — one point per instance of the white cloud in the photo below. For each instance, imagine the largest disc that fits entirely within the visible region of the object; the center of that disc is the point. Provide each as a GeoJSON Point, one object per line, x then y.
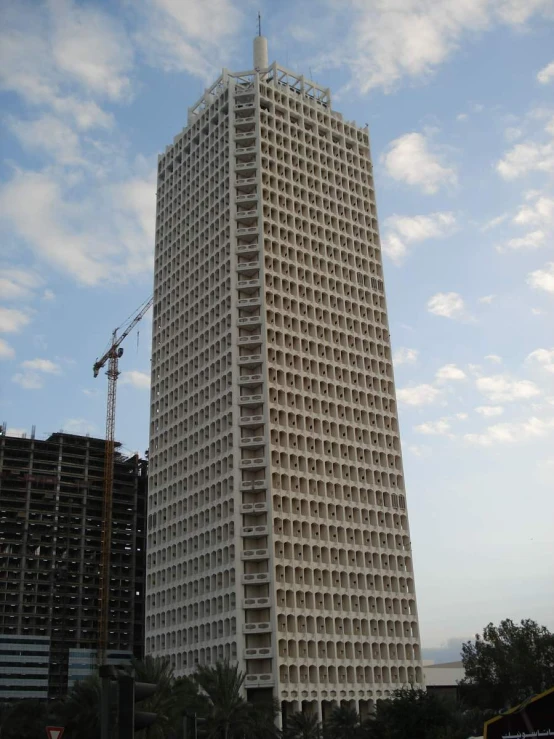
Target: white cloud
{"type": "Point", "coordinates": [505, 389]}
{"type": "Point", "coordinates": [511, 433]}
{"type": "Point", "coordinates": [51, 135]}
{"type": "Point", "coordinates": [107, 235]}
{"type": "Point", "coordinates": [462, 416]}
{"type": "Point", "coordinates": [486, 299]}
{"type": "Point", "coordinates": [58, 54]}
{"type": "Point", "coordinates": [41, 365]}
{"type": "Point", "coordinates": [193, 37]}
{"type": "Point", "coordinates": [494, 358]}
{"type": "Point", "coordinates": [390, 41]}
{"type": "Point", "coordinates": [542, 279]}
{"type": "Point", "coordinates": [546, 74]}
{"type": "Point", "coordinates": [532, 240]}
{"type": "Point", "coordinates": [48, 295]}
{"type": "Point", "coordinates": [6, 351]}
{"type": "Point", "coordinates": [402, 231]}
{"type": "Point", "coordinates": [88, 46]}
{"type": "Point", "coordinates": [541, 213]}
{"type": "Point", "coordinates": [528, 156]}
{"type": "Point", "coordinates": [544, 358]}
{"type": "Point", "coordinates": [33, 370]}
{"type": "Point", "coordinates": [12, 320]}
{"type": "Point", "coordinates": [409, 159]}
{"type": "Point", "coordinates": [450, 372]}
{"type": "Point", "coordinates": [418, 395]}
{"type": "Point", "coordinates": [462, 117]}
{"type": "Point", "coordinates": [403, 355]}
{"type": "Point", "coordinates": [490, 410]}
{"type": "Point", "coordinates": [140, 380]}
{"type": "Point", "coordinates": [434, 428]}
{"type": "Point", "coordinates": [494, 222]}
{"type": "Point", "coordinates": [78, 426]}
{"type": "Point", "coordinates": [29, 380]}
{"type": "Point", "coordinates": [448, 305]}
{"type": "Point", "coordinates": [16, 284]}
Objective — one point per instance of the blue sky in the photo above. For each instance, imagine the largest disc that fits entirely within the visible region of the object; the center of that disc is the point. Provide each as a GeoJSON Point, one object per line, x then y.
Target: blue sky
{"type": "Point", "coordinates": [459, 97]}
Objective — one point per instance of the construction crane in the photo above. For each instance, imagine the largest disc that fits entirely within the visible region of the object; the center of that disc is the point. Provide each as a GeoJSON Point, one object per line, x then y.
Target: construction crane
{"type": "Point", "coordinates": [111, 358]}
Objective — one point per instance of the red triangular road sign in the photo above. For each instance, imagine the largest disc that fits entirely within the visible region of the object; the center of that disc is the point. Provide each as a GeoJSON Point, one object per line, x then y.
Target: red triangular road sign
{"type": "Point", "coordinates": [54, 732]}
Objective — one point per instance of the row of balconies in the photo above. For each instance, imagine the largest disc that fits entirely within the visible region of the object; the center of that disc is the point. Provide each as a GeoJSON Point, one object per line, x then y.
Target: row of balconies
{"type": "Point", "coordinates": [247, 232]}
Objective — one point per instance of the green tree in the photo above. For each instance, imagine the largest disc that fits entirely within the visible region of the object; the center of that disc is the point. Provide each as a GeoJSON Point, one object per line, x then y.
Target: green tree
{"type": "Point", "coordinates": [411, 713]}
{"type": "Point", "coordinates": [164, 702]}
{"type": "Point", "coordinates": [24, 719]}
{"type": "Point", "coordinates": [343, 723]}
{"type": "Point", "coordinates": [227, 714]}
{"type": "Point", "coordinates": [80, 712]}
{"type": "Point", "coordinates": [507, 664]}
{"type": "Point", "coordinates": [303, 726]}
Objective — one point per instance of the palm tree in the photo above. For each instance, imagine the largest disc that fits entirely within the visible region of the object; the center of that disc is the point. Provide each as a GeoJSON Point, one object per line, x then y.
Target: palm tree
{"type": "Point", "coordinates": [164, 702]}
{"type": "Point", "coordinates": [80, 712]}
{"type": "Point", "coordinates": [344, 723]}
{"type": "Point", "coordinates": [303, 726]}
{"type": "Point", "coordinates": [228, 712]}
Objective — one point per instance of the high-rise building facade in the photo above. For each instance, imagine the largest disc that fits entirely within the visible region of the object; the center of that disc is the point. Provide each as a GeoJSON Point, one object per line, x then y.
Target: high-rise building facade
{"type": "Point", "coordinates": [277, 529]}
{"type": "Point", "coordinates": [51, 494]}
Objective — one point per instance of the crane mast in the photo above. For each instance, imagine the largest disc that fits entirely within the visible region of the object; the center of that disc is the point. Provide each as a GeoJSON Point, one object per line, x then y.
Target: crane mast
{"type": "Point", "coordinates": [110, 358]}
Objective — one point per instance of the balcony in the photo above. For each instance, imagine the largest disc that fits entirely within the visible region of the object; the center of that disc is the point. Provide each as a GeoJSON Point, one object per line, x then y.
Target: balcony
{"type": "Point", "coordinates": [249, 321]}
{"type": "Point", "coordinates": [254, 509]}
{"type": "Point", "coordinates": [260, 653]}
{"type": "Point", "coordinates": [249, 269]}
{"type": "Point", "coordinates": [248, 213]}
{"type": "Point", "coordinates": [241, 182]}
{"type": "Point", "coordinates": [248, 284]}
{"type": "Point", "coordinates": [250, 401]}
{"type": "Point", "coordinates": [253, 485]}
{"type": "Point", "coordinates": [255, 555]}
{"type": "Point", "coordinates": [263, 680]}
{"type": "Point", "coordinates": [253, 532]}
{"type": "Point", "coordinates": [253, 249]}
{"type": "Point", "coordinates": [247, 197]}
{"type": "Point", "coordinates": [258, 578]}
{"type": "Point", "coordinates": [248, 421]}
{"type": "Point", "coordinates": [244, 137]}
{"type": "Point", "coordinates": [249, 302]}
{"type": "Point", "coordinates": [256, 602]}
{"type": "Point", "coordinates": [246, 166]}
{"type": "Point", "coordinates": [244, 107]}
{"type": "Point", "coordinates": [249, 360]}
{"type": "Point", "coordinates": [260, 627]}
{"type": "Point", "coordinates": [245, 150]}
{"type": "Point", "coordinates": [254, 463]}
{"type": "Point", "coordinates": [252, 266]}
{"type": "Point", "coordinates": [250, 340]}
{"type": "Point", "coordinates": [251, 442]}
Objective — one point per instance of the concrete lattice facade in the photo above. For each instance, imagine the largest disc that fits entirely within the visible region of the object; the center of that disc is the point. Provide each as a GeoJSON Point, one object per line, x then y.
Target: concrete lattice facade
{"type": "Point", "coordinates": [277, 527]}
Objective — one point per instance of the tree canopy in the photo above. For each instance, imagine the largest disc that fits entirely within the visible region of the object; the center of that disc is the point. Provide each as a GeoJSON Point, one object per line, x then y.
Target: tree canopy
{"type": "Point", "coordinates": [507, 664]}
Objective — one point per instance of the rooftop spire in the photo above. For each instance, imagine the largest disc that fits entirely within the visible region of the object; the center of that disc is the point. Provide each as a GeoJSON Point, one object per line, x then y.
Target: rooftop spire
{"type": "Point", "coordinates": [260, 48]}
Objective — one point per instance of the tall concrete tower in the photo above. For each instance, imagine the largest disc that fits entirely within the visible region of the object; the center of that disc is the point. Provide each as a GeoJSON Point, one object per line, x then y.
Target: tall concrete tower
{"type": "Point", "coordinates": [277, 530]}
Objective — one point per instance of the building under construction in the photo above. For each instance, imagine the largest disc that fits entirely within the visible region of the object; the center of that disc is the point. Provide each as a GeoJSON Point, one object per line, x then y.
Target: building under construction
{"type": "Point", "coordinates": [51, 496]}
